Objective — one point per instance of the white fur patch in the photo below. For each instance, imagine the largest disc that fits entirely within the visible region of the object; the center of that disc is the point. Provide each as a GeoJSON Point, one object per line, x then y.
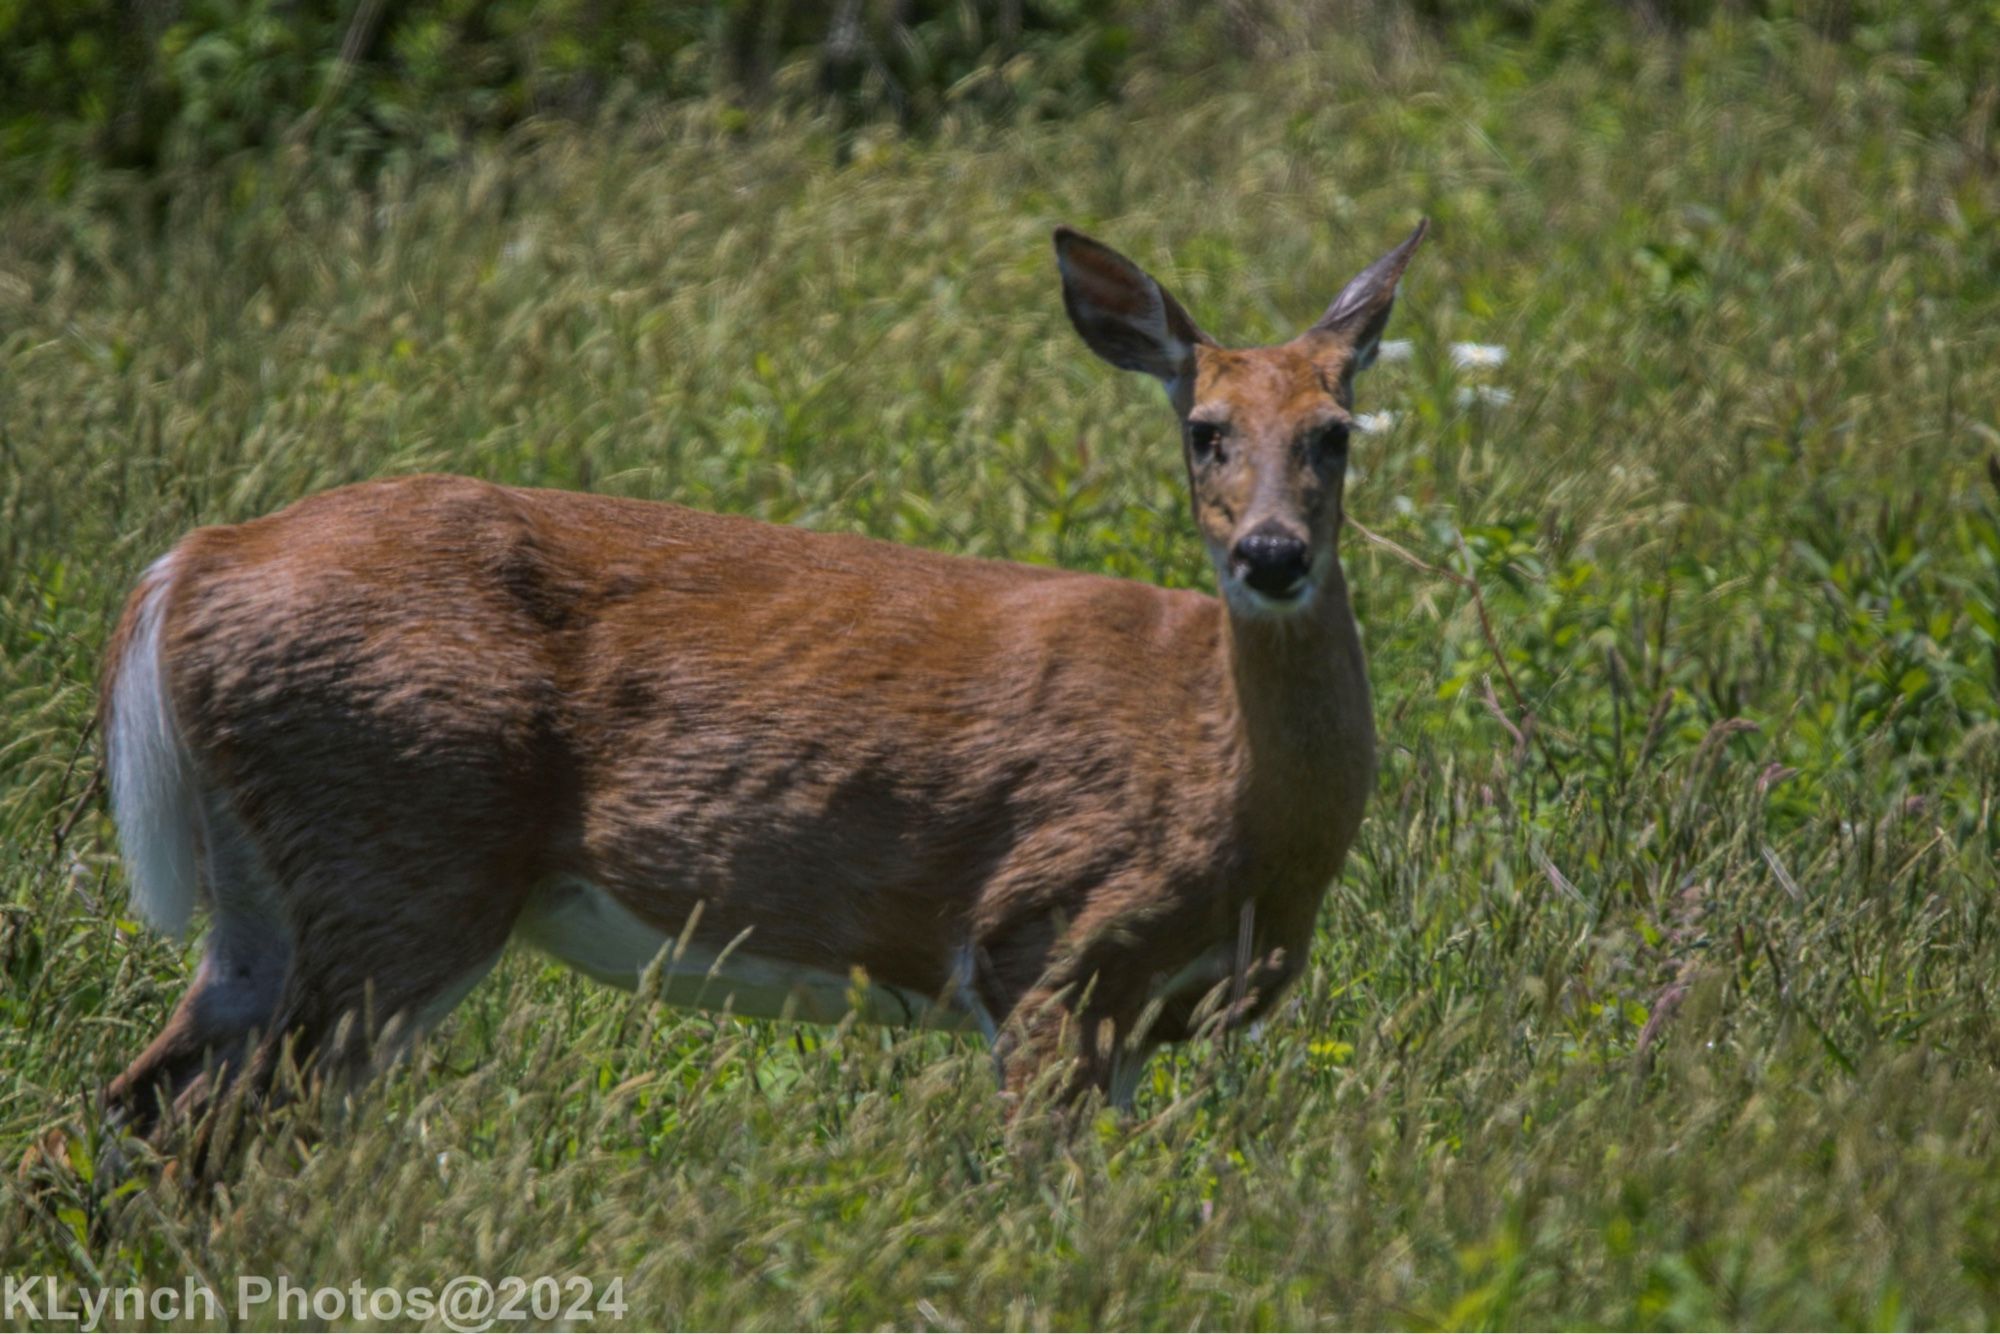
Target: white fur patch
{"type": "Point", "coordinates": [152, 781]}
{"type": "Point", "coordinates": [582, 925]}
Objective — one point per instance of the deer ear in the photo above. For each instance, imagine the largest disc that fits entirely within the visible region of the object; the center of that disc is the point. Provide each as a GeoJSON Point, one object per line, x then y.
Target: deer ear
{"type": "Point", "coordinates": [1122, 312]}
{"type": "Point", "coordinates": [1361, 312]}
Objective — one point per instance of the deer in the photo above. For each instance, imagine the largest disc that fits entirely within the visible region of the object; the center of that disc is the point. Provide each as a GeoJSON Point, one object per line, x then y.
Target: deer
{"type": "Point", "coordinates": [782, 773]}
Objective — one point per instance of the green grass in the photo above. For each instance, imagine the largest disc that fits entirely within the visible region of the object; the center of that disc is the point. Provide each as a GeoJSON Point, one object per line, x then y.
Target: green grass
{"type": "Point", "coordinates": [1658, 996]}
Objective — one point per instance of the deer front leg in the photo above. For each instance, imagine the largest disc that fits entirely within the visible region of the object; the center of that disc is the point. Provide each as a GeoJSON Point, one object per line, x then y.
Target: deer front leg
{"type": "Point", "coordinates": [1121, 991]}
{"type": "Point", "coordinates": [1080, 1018]}
{"type": "Point", "coordinates": [1076, 1044]}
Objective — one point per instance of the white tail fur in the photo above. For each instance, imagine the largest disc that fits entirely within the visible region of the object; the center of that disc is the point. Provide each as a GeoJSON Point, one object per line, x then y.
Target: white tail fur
{"type": "Point", "coordinates": [152, 781]}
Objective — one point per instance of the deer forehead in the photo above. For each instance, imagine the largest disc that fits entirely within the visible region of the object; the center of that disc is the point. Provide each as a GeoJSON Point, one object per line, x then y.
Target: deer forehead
{"type": "Point", "coordinates": [1289, 386]}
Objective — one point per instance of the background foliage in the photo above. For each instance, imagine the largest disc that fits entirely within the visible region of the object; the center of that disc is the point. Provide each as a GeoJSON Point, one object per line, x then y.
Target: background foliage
{"type": "Point", "coordinates": [151, 85]}
{"type": "Point", "coordinates": [1657, 992]}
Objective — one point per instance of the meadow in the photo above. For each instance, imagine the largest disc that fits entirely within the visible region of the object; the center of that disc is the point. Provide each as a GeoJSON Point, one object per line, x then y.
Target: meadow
{"type": "Point", "coordinates": [1657, 991]}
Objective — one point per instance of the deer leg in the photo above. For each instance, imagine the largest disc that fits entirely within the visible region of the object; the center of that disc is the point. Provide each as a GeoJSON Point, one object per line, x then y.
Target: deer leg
{"type": "Point", "coordinates": [1081, 1012]}
{"type": "Point", "coordinates": [1107, 999]}
{"type": "Point", "coordinates": [235, 991]}
{"type": "Point", "coordinates": [1093, 1035]}
{"type": "Point", "coordinates": [378, 963]}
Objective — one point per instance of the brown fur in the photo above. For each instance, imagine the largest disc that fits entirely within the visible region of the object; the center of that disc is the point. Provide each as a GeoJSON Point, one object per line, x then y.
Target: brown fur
{"type": "Point", "coordinates": [416, 700]}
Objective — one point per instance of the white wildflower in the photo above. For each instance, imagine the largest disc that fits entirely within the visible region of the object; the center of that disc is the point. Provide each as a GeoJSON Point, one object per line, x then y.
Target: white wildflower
{"type": "Point", "coordinates": [1395, 349]}
{"type": "Point", "coordinates": [1488, 394]}
{"type": "Point", "coordinates": [1374, 423]}
{"type": "Point", "coordinates": [1478, 356]}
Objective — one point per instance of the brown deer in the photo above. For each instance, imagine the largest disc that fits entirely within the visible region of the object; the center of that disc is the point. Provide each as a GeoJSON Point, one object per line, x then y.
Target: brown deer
{"type": "Point", "coordinates": [388, 729]}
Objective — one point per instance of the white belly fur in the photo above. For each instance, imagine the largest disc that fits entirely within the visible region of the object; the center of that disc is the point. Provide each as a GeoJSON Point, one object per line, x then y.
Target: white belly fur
{"type": "Point", "coordinates": [580, 924]}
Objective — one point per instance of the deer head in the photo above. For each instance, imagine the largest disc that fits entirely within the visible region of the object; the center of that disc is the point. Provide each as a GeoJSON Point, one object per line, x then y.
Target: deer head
{"type": "Point", "coordinates": [1264, 429]}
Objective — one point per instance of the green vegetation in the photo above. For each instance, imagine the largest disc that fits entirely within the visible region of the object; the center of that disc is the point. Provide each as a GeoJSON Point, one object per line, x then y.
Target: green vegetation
{"type": "Point", "coordinates": [1658, 990]}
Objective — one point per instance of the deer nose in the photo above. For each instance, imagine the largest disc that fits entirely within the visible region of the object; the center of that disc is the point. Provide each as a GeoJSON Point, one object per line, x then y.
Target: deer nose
{"type": "Point", "coordinates": [1271, 560]}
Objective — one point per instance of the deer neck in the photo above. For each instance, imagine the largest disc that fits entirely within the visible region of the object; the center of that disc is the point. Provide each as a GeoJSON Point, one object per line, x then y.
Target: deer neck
{"type": "Point", "coordinates": [1305, 724]}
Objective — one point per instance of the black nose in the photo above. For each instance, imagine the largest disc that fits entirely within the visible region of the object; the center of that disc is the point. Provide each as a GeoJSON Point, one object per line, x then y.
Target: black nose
{"type": "Point", "coordinates": [1272, 561]}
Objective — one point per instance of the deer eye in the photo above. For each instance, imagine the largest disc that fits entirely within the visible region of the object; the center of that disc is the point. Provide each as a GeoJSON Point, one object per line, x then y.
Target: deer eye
{"type": "Point", "coordinates": [1329, 443]}
{"type": "Point", "coordinates": [1204, 440]}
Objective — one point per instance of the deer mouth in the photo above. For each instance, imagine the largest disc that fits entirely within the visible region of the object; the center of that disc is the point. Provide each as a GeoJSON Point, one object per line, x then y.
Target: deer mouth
{"type": "Point", "coordinates": [1275, 589]}
{"type": "Point", "coordinates": [1255, 593]}
{"type": "Point", "coordinates": [1247, 598]}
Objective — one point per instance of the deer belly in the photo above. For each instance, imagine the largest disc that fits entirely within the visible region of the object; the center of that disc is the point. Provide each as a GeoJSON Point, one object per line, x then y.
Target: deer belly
{"type": "Point", "coordinates": [580, 924]}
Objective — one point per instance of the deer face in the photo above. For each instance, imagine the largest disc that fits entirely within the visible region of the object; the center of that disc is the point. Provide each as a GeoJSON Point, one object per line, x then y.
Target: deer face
{"type": "Point", "coordinates": [1264, 430]}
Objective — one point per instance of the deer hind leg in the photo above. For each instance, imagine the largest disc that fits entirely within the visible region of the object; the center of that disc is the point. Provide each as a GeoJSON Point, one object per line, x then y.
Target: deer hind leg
{"type": "Point", "coordinates": [379, 957]}
{"type": "Point", "coordinates": [234, 994]}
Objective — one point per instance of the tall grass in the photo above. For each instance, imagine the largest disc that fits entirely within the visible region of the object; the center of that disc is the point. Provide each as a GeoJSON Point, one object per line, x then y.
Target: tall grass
{"type": "Point", "coordinates": [1657, 990]}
